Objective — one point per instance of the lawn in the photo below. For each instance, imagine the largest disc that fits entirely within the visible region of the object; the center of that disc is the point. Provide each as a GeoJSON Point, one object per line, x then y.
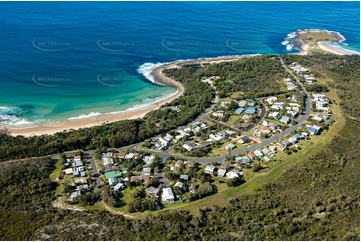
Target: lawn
{"type": "Point", "coordinates": [318, 36]}
{"type": "Point", "coordinates": [56, 173]}
{"type": "Point", "coordinates": [275, 169]}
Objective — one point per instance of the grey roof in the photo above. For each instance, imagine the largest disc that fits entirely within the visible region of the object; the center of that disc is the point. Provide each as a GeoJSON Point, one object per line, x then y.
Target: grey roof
{"type": "Point", "coordinates": [184, 177]}
{"type": "Point", "coordinates": [152, 190]}
{"type": "Point", "coordinates": [210, 168]}
{"type": "Point", "coordinates": [221, 172]}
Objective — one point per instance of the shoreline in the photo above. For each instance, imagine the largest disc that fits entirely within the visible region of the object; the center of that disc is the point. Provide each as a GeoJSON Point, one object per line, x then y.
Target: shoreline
{"type": "Point", "coordinates": [338, 50]}
{"type": "Point", "coordinates": [74, 124]}
{"type": "Point", "coordinates": [327, 46]}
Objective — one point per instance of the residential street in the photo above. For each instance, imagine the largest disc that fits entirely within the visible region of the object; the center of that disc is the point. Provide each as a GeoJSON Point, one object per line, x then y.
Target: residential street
{"type": "Point", "coordinates": [95, 172]}
{"type": "Point", "coordinates": [219, 159]}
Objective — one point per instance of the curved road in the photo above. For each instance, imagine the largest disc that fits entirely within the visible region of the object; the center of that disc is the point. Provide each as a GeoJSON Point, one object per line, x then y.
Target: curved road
{"type": "Point", "coordinates": [220, 159]}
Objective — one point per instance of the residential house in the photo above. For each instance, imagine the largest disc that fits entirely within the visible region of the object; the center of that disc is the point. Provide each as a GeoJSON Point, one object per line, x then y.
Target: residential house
{"type": "Point", "coordinates": [152, 190]}
{"type": "Point", "coordinates": [218, 114]}
{"type": "Point", "coordinates": [231, 175]}
{"type": "Point", "coordinates": [110, 167]}
{"type": "Point", "coordinates": [179, 163]}
{"type": "Point", "coordinates": [113, 181]}
{"type": "Point", "coordinates": [107, 161]}
{"type": "Point", "coordinates": [244, 160]}
{"type": "Point", "coordinates": [267, 151]}
{"type": "Point", "coordinates": [258, 153]}
{"type": "Point", "coordinates": [168, 137]}
{"type": "Point", "coordinates": [221, 172]}
{"type": "Point", "coordinates": [68, 171]}
{"type": "Point", "coordinates": [209, 169]}
{"type": "Point", "coordinates": [167, 195]}
{"type": "Point", "coordinates": [274, 115]}
{"type": "Point", "coordinates": [251, 155]}
{"type": "Point", "coordinates": [80, 180]}
{"type": "Point", "coordinates": [251, 110]}
{"type": "Point", "coordinates": [297, 136]}
{"type": "Point", "coordinates": [113, 174]}
{"type": "Point", "coordinates": [292, 140]}
{"type": "Point", "coordinates": [246, 118]}
{"type": "Point", "coordinates": [188, 147]}
{"type": "Point", "coordinates": [148, 160]}
{"type": "Point", "coordinates": [129, 156]}
{"type": "Point", "coordinates": [239, 110]}
{"type": "Point", "coordinates": [276, 107]}
{"type": "Point", "coordinates": [292, 113]}
{"type": "Point", "coordinates": [285, 120]}
{"type": "Point", "coordinates": [250, 103]}
{"type": "Point", "coordinates": [184, 177]}
{"type": "Point", "coordinates": [230, 146]}
{"type": "Point", "coordinates": [163, 142]}
{"type": "Point", "coordinates": [75, 194]}
{"type": "Point", "coordinates": [281, 146]}
{"type": "Point", "coordinates": [137, 155]}
{"type": "Point", "coordinates": [216, 137]}
{"type": "Point", "coordinates": [119, 187]}
{"type": "Point", "coordinates": [244, 140]}
{"type": "Point", "coordinates": [84, 187]}
{"type": "Point", "coordinates": [77, 163]}
{"type": "Point", "coordinates": [119, 155]}
{"type": "Point", "coordinates": [242, 103]}
{"type": "Point", "coordinates": [192, 187]}
{"type": "Point", "coordinates": [146, 171]}
{"type": "Point", "coordinates": [271, 100]}
{"type": "Point", "coordinates": [179, 185]}
{"type": "Point", "coordinates": [314, 129]}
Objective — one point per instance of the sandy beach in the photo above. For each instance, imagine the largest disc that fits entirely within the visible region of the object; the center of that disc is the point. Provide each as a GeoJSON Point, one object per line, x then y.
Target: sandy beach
{"type": "Point", "coordinates": [54, 127]}
{"type": "Point", "coordinates": [67, 125]}
{"type": "Point", "coordinates": [335, 49]}
{"type": "Point", "coordinates": [306, 48]}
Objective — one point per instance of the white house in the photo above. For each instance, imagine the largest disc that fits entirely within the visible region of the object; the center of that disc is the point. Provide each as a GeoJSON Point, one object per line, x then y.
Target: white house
{"type": "Point", "coordinates": [119, 187]}
{"type": "Point", "coordinates": [231, 175]}
{"type": "Point", "coordinates": [187, 147]}
{"type": "Point", "coordinates": [209, 169]}
{"type": "Point", "coordinates": [167, 195]}
{"type": "Point", "coordinates": [113, 181]}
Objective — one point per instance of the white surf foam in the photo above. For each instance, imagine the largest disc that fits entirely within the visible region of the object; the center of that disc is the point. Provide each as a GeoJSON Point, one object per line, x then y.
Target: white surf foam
{"type": "Point", "coordinates": [13, 120]}
{"type": "Point", "coordinates": [147, 68]}
{"type": "Point", "coordinates": [147, 102]}
{"type": "Point", "coordinates": [82, 116]}
{"type": "Point", "coordinates": [289, 47]}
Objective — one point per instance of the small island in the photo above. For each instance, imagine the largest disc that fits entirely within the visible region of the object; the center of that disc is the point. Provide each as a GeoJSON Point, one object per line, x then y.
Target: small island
{"type": "Point", "coordinates": [316, 40]}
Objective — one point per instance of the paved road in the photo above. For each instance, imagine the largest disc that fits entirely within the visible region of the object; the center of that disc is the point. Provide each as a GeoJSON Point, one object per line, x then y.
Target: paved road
{"type": "Point", "coordinates": [94, 171]}
{"type": "Point", "coordinates": [220, 159]}
{"type": "Point", "coordinates": [303, 117]}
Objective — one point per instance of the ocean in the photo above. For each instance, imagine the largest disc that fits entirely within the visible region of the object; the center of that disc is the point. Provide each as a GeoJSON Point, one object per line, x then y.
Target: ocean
{"type": "Point", "coordinates": [71, 60]}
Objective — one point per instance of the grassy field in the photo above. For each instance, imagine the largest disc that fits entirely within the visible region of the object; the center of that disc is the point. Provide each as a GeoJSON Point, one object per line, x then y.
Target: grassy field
{"type": "Point", "coordinates": [318, 36]}
{"type": "Point", "coordinates": [273, 170]}
{"type": "Point", "coordinates": [56, 173]}
{"type": "Point", "coordinates": [276, 168]}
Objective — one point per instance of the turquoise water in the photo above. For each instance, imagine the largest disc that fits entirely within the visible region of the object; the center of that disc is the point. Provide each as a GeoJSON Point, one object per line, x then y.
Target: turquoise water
{"type": "Point", "coordinates": [65, 60]}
